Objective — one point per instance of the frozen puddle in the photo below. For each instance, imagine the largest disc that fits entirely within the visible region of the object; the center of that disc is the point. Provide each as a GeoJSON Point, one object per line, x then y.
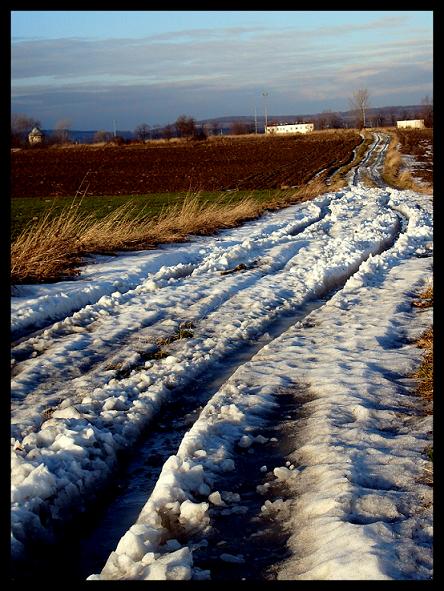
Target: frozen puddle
{"type": "Point", "coordinates": [174, 384]}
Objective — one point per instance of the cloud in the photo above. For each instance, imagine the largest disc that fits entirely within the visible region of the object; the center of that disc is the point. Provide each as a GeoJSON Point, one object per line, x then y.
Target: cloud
{"type": "Point", "coordinates": [189, 68]}
{"type": "Point", "coordinates": [168, 54]}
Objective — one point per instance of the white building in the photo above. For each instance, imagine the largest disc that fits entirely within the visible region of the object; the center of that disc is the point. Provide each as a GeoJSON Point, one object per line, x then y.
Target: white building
{"type": "Point", "coordinates": [416, 123]}
{"type": "Point", "coordinates": [35, 136]}
{"type": "Point", "coordinates": [290, 128]}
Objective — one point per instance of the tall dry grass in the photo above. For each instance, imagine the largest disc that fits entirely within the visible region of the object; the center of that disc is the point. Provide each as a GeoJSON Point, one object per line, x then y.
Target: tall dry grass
{"type": "Point", "coordinates": [53, 247]}
{"type": "Point", "coordinates": [50, 248]}
{"type": "Point", "coordinates": [394, 175]}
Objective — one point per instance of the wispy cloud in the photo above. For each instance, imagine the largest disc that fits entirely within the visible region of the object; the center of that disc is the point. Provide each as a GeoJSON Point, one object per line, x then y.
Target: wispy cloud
{"type": "Point", "coordinates": [293, 64]}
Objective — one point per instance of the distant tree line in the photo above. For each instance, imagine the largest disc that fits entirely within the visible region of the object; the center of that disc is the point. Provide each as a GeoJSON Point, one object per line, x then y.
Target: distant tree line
{"type": "Point", "coordinates": [22, 125]}
{"type": "Point", "coordinates": [186, 127]}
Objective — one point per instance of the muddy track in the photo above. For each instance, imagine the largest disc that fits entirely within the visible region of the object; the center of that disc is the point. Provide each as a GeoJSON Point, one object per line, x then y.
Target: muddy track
{"type": "Point", "coordinates": [377, 152]}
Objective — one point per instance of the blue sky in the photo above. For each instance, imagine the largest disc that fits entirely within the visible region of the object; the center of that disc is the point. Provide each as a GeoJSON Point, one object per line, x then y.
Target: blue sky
{"type": "Point", "coordinates": [93, 67]}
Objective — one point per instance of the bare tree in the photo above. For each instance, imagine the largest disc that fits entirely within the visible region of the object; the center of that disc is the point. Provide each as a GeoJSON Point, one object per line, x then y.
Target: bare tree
{"type": "Point", "coordinates": [21, 125]}
{"type": "Point", "coordinates": [168, 131]}
{"type": "Point", "coordinates": [359, 103]}
{"type": "Point", "coordinates": [142, 131]}
{"type": "Point", "coordinates": [61, 131]}
{"type": "Point", "coordinates": [185, 126]}
{"type": "Point", "coordinates": [102, 136]}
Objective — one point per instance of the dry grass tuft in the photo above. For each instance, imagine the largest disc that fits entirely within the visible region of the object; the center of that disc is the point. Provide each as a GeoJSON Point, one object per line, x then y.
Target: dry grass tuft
{"type": "Point", "coordinates": [49, 248]}
{"type": "Point", "coordinates": [195, 217]}
{"type": "Point", "coordinates": [425, 298]}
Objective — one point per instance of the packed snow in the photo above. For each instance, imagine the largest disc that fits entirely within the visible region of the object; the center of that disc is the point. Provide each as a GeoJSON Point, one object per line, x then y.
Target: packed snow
{"type": "Point", "coordinates": [136, 328]}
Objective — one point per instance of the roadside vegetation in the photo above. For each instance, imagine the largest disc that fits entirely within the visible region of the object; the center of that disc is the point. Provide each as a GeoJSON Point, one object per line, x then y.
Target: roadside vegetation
{"type": "Point", "coordinates": [52, 247]}
{"type": "Point", "coordinates": [424, 375]}
{"type": "Point", "coordinates": [393, 173]}
{"type": "Point", "coordinates": [27, 212]}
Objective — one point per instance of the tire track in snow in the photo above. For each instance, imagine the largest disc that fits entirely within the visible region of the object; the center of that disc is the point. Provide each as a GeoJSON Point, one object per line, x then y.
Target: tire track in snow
{"type": "Point", "coordinates": [276, 300]}
{"type": "Point", "coordinates": [376, 170]}
{"type": "Point", "coordinates": [252, 573]}
{"type": "Point", "coordinates": [153, 449]}
{"type": "Point", "coordinates": [158, 325]}
{"type": "Point", "coordinates": [379, 146]}
{"type": "Point", "coordinates": [176, 259]}
{"type": "Point", "coordinates": [84, 545]}
{"type": "Point", "coordinates": [231, 256]}
{"type": "Point", "coordinates": [355, 178]}
{"type": "Point", "coordinates": [189, 457]}
{"type": "Point", "coordinates": [346, 275]}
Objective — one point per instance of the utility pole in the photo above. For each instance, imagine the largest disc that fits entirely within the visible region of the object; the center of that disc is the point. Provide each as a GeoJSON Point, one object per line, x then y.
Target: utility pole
{"type": "Point", "coordinates": [114, 127]}
{"type": "Point", "coordinates": [255, 119]}
{"type": "Point", "coordinates": [265, 94]}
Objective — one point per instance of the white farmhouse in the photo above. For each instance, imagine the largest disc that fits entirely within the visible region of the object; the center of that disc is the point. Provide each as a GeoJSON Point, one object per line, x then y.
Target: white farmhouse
{"type": "Point", "coordinates": [416, 123]}
{"type": "Point", "coordinates": [289, 128]}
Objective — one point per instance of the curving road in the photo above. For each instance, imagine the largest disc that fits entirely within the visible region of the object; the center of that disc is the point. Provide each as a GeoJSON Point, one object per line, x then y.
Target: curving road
{"type": "Point", "coordinates": [169, 430]}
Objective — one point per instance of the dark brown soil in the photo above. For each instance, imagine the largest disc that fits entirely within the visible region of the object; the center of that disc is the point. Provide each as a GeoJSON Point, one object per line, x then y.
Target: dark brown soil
{"type": "Point", "coordinates": [211, 165]}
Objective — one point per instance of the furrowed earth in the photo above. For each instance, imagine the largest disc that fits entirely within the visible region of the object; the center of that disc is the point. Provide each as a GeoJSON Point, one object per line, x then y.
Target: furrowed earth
{"type": "Point", "coordinates": [214, 165]}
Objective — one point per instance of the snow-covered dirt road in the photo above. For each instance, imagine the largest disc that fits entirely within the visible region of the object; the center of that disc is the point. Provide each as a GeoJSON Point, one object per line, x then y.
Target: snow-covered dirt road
{"type": "Point", "coordinates": [235, 407]}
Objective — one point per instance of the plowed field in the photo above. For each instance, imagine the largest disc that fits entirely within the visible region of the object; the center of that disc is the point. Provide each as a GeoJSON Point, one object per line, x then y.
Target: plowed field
{"type": "Point", "coordinates": [218, 164]}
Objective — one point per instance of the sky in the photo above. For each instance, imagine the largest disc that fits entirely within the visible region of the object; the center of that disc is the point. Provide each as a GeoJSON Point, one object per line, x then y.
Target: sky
{"type": "Point", "coordinates": [98, 69]}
